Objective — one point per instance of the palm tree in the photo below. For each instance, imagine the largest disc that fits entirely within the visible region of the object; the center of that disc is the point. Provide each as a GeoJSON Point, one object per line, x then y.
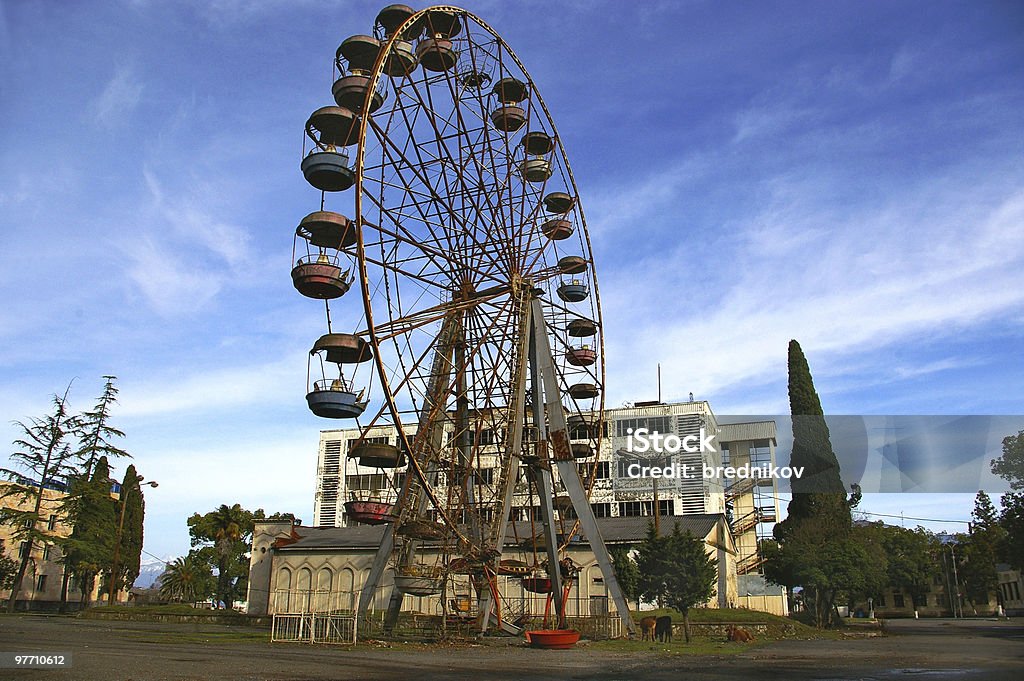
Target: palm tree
{"type": "Point", "coordinates": [228, 529]}
{"type": "Point", "coordinates": [186, 580]}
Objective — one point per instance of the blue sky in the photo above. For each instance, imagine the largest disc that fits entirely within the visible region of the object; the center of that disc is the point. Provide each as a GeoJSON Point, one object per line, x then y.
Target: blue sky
{"type": "Point", "coordinates": [848, 174]}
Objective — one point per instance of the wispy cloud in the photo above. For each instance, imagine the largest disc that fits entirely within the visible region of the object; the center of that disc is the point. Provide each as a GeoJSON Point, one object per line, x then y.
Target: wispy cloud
{"type": "Point", "coordinates": [877, 277]}
{"type": "Point", "coordinates": [758, 121]}
{"type": "Point", "coordinates": [119, 97]}
{"type": "Point", "coordinates": [213, 390]}
{"type": "Point", "coordinates": [181, 253]}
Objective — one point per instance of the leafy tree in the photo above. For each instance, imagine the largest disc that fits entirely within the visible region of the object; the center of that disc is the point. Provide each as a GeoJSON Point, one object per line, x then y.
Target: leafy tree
{"type": "Point", "coordinates": [1011, 464]}
{"type": "Point", "coordinates": [187, 579]}
{"type": "Point", "coordinates": [980, 550]}
{"type": "Point", "coordinates": [871, 576]}
{"type": "Point", "coordinates": [911, 562]}
{"type": "Point", "coordinates": [42, 453]}
{"type": "Point", "coordinates": [1011, 518]}
{"type": "Point", "coordinates": [626, 572]}
{"type": "Point", "coordinates": [691, 581]}
{"type": "Point", "coordinates": [1011, 467]}
{"type": "Point", "coordinates": [813, 546]}
{"type": "Point", "coordinates": [223, 537]}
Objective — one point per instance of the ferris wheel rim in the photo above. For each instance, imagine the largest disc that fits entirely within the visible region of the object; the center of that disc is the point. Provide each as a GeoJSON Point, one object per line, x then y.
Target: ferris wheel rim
{"type": "Point", "coordinates": [390, 395]}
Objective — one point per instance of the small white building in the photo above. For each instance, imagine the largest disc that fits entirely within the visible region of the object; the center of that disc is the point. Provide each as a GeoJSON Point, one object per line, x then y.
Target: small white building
{"type": "Point", "coordinates": [319, 569]}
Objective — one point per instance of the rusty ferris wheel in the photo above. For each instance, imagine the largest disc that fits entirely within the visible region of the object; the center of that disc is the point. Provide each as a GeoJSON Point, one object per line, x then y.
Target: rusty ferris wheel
{"type": "Point", "coordinates": [479, 338]}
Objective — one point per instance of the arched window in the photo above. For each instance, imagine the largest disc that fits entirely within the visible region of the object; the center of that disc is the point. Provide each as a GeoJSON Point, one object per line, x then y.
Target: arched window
{"type": "Point", "coordinates": [324, 601]}
{"type": "Point", "coordinates": [282, 591]}
{"type": "Point", "coordinates": [347, 589]}
{"type": "Point", "coordinates": [303, 588]}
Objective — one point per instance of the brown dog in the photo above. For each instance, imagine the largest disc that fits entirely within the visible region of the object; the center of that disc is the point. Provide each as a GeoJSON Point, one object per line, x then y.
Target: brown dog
{"type": "Point", "coordinates": [738, 634]}
{"type": "Point", "coordinates": [647, 625]}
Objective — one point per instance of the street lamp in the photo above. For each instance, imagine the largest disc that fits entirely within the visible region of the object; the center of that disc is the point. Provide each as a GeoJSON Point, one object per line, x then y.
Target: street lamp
{"type": "Point", "coordinates": [120, 531]}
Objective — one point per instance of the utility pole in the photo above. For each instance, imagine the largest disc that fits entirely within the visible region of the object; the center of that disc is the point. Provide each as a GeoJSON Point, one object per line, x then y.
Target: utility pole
{"type": "Point", "coordinates": [956, 581]}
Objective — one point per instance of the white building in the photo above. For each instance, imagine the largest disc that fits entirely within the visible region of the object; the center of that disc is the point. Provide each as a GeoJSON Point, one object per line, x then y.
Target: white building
{"type": "Point", "coordinates": [614, 493]}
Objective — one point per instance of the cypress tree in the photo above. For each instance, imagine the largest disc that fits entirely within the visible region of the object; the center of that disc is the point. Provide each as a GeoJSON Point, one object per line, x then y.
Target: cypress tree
{"type": "Point", "coordinates": [130, 554]}
{"type": "Point", "coordinates": [812, 446]}
{"type": "Point", "coordinates": [814, 545]}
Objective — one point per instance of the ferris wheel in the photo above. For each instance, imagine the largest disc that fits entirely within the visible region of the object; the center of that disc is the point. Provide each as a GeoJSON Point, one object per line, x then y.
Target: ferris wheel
{"type": "Point", "coordinates": [478, 341]}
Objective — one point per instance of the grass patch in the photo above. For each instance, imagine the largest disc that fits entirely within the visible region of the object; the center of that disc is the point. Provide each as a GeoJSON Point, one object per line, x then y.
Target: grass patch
{"type": "Point", "coordinates": [697, 647]}
{"type": "Point", "coordinates": [774, 627]}
{"type": "Point", "coordinates": [170, 609]}
{"type": "Point", "coordinates": [716, 616]}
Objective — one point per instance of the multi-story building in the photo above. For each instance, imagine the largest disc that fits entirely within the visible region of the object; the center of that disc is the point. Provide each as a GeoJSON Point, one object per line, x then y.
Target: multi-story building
{"type": "Point", "coordinates": [40, 588]}
{"type": "Point", "coordinates": [753, 508]}
{"type": "Point", "coordinates": [614, 492]}
{"type": "Point", "coordinates": [750, 506]}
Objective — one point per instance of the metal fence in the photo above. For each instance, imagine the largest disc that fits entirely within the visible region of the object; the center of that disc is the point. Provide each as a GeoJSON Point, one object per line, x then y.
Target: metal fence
{"type": "Point", "coordinates": [320, 616]}
{"type": "Point", "coordinates": [313, 616]}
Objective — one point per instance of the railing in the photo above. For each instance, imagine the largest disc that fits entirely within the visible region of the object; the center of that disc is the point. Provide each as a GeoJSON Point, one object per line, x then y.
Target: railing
{"type": "Point", "coordinates": [739, 488]}
{"type": "Point", "coordinates": [313, 616]}
{"type": "Point", "coordinates": [746, 522]}
{"type": "Point", "coordinates": [319, 259]}
{"type": "Point", "coordinates": [749, 563]}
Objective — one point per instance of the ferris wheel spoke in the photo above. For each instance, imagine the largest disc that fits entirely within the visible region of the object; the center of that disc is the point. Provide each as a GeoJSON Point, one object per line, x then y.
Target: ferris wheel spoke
{"type": "Point", "coordinates": [442, 208]}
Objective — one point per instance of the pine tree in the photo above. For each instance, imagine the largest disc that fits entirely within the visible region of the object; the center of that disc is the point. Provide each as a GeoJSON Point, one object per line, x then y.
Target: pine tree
{"type": "Point", "coordinates": [691, 579]}
{"type": "Point", "coordinates": [95, 432]}
{"type": "Point", "coordinates": [42, 453]}
{"type": "Point", "coordinates": [981, 548]}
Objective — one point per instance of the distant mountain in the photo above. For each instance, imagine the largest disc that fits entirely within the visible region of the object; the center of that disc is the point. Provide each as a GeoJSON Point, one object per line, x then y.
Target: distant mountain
{"type": "Point", "coordinates": [152, 568]}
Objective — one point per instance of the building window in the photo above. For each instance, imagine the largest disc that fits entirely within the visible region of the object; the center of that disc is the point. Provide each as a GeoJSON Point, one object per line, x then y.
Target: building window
{"type": "Point", "coordinates": [630, 509]}
{"type": "Point", "coordinates": [880, 601]}
{"type": "Point", "coordinates": [52, 525]}
{"type": "Point", "coordinates": [23, 550]}
{"type": "Point", "coordinates": [41, 583]}
{"type": "Point", "coordinates": [601, 510]}
{"type": "Point", "coordinates": [366, 482]}
{"type": "Point", "coordinates": [603, 471]}
{"type": "Point", "coordinates": [46, 553]}
{"type": "Point", "coordinates": [654, 424]}
{"type": "Point", "coordinates": [897, 600]}
{"type": "Point", "coordinates": [485, 476]}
